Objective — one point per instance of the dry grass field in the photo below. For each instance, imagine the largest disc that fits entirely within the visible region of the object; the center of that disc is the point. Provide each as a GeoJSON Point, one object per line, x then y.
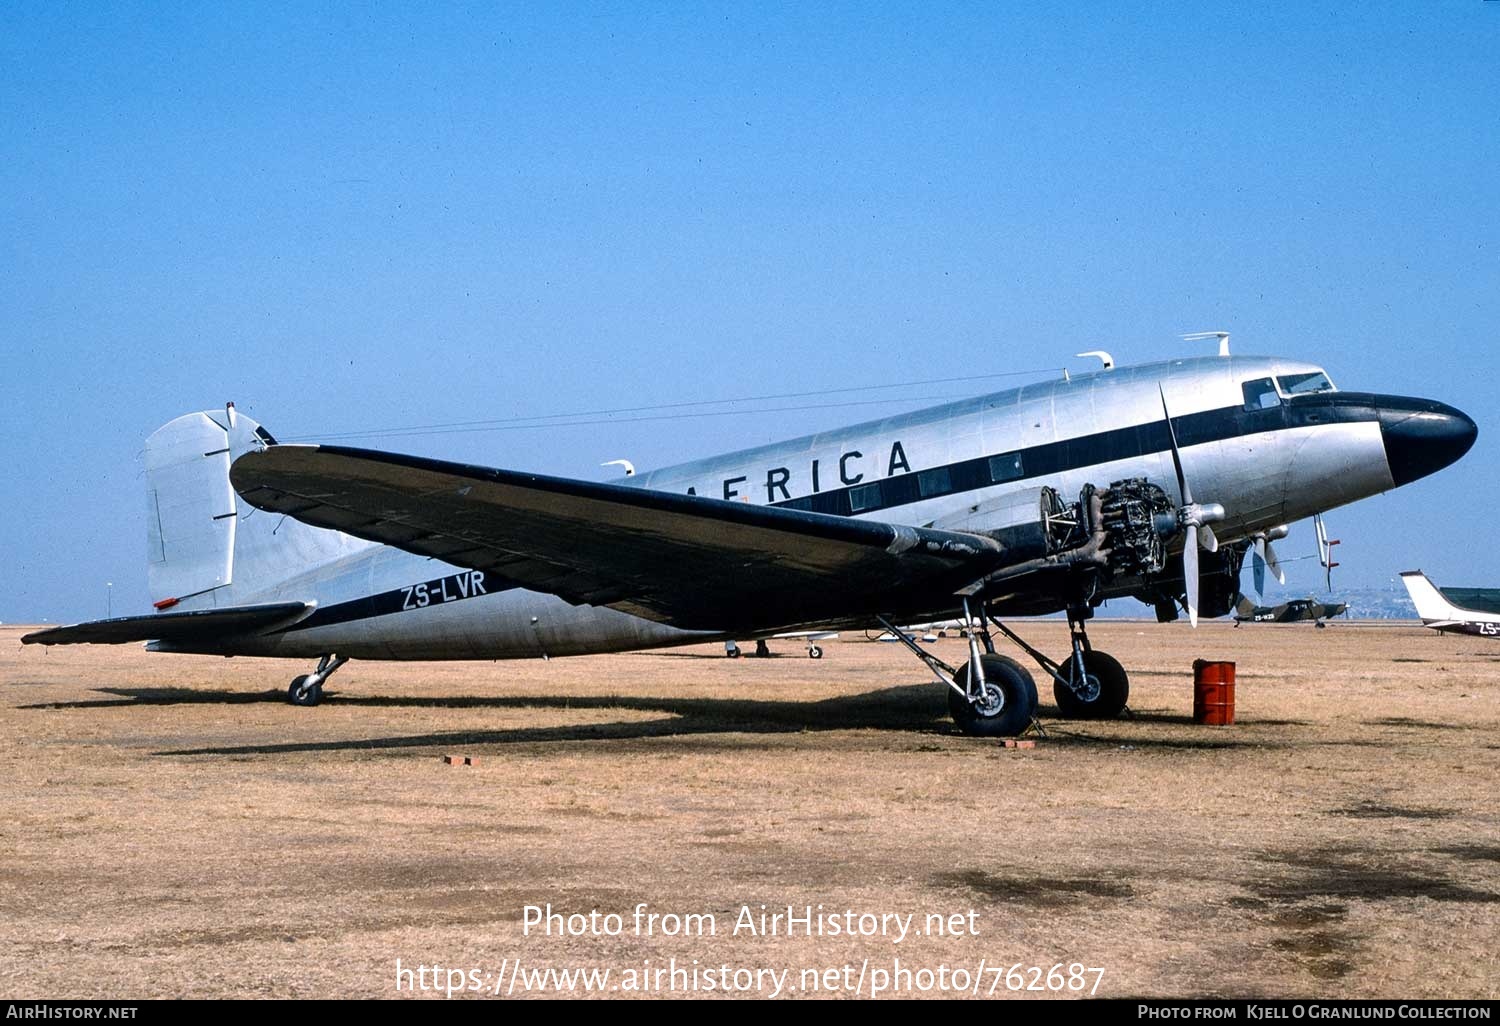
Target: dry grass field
{"type": "Point", "coordinates": [171, 828]}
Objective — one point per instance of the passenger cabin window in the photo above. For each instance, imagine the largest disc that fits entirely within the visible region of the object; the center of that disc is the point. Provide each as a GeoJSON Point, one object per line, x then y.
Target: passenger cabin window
{"type": "Point", "coordinates": [1261, 394]}
{"type": "Point", "coordinates": [863, 498]}
{"type": "Point", "coordinates": [934, 482]}
{"type": "Point", "coordinates": [1306, 383]}
{"type": "Point", "coordinates": [1006, 468]}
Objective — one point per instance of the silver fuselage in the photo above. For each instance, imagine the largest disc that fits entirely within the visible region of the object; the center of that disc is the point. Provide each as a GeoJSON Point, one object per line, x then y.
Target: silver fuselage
{"type": "Point", "coordinates": [1266, 466]}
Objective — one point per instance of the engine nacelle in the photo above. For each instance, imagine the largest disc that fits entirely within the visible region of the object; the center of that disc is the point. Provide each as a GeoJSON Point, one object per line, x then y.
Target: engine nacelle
{"type": "Point", "coordinates": [1025, 521]}
{"type": "Point", "coordinates": [1113, 540]}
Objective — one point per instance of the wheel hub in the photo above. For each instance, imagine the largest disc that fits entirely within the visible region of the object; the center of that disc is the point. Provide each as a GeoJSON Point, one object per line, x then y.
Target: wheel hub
{"type": "Point", "coordinates": [1088, 689]}
{"type": "Point", "coordinates": [990, 701]}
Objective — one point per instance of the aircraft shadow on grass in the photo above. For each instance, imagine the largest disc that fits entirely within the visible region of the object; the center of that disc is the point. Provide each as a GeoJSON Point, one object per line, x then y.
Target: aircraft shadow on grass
{"type": "Point", "coordinates": [914, 709]}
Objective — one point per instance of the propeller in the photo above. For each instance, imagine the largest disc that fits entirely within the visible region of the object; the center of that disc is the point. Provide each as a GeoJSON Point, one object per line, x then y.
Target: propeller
{"type": "Point", "coordinates": [1325, 549]}
{"type": "Point", "coordinates": [1194, 519]}
{"type": "Point", "coordinates": [1265, 556]}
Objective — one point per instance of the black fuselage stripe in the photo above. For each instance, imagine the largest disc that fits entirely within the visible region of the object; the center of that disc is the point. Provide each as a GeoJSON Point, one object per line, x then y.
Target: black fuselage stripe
{"type": "Point", "coordinates": [1053, 458]}
{"type": "Point", "coordinates": [964, 476]}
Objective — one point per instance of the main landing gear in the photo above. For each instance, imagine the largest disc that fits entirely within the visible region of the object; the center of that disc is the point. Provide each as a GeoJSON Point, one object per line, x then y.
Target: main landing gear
{"type": "Point", "coordinates": [991, 695]}
{"type": "Point", "coordinates": [994, 696]}
{"type": "Point", "coordinates": [1090, 685]}
{"type": "Point", "coordinates": [308, 688]}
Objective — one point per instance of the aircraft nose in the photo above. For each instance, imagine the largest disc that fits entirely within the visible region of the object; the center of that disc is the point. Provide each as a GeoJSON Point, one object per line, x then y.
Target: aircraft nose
{"type": "Point", "coordinates": [1422, 436]}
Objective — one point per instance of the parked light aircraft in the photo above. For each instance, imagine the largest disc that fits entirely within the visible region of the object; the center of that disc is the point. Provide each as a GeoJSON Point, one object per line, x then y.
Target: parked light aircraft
{"type": "Point", "coordinates": [1050, 497]}
{"type": "Point", "coordinates": [1292, 611]}
{"type": "Point", "coordinates": [1461, 610]}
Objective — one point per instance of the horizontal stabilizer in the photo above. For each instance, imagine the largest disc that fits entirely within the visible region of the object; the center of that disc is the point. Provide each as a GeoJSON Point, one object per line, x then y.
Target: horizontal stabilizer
{"type": "Point", "coordinates": [198, 626]}
{"type": "Point", "coordinates": [685, 560]}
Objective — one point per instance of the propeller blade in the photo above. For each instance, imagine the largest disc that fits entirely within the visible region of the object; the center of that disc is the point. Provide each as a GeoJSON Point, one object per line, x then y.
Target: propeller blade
{"type": "Point", "coordinates": [1273, 562]}
{"type": "Point", "coordinates": [1190, 572]}
{"type": "Point", "coordinates": [1210, 540]}
{"type": "Point", "coordinates": [1182, 485]}
{"type": "Point", "coordinates": [1265, 557]}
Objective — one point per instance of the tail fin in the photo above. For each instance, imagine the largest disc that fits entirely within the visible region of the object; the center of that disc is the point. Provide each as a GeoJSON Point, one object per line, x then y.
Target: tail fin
{"type": "Point", "coordinates": [1430, 603]}
{"type": "Point", "coordinates": [206, 546]}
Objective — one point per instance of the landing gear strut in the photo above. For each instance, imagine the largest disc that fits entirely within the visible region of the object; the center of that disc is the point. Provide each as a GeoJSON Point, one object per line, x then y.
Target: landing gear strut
{"type": "Point", "coordinates": [1090, 685]}
{"type": "Point", "coordinates": [308, 688]}
{"type": "Point", "coordinates": [991, 695]}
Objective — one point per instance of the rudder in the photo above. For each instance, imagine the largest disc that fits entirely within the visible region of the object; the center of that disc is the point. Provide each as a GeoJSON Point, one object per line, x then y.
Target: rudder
{"type": "Point", "coordinates": [206, 546]}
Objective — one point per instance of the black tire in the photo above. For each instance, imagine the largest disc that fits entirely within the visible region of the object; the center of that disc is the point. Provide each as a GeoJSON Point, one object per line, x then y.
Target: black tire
{"type": "Point", "coordinates": [1114, 688]}
{"type": "Point", "coordinates": [815, 653]}
{"type": "Point", "coordinates": [298, 695]}
{"type": "Point", "coordinates": [1012, 690]}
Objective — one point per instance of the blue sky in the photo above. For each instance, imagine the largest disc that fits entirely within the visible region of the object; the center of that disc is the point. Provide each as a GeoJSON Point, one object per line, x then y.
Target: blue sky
{"type": "Point", "coordinates": [350, 217]}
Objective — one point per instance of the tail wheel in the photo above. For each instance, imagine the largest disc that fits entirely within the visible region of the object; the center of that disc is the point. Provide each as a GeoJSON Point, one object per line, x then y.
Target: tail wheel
{"type": "Point", "coordinates": [301, 693]}
{"type": "Point", "coordinates": [1105, 690]}
{"type": "Point", "coordinates": [1006, 706]}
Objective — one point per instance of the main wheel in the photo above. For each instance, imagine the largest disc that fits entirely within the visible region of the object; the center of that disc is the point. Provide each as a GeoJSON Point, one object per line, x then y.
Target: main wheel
{"type": "Point", "coordinates": [301, 693]}
{"type": "Point", "coordinates": [1006, 707]}
{"type": "Point", "coordinates": [814, 652]}
{"type": "Point", "coordinates": [1105, 691]}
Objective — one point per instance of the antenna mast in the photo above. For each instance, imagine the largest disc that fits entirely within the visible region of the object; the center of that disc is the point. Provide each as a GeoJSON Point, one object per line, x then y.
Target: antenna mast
{"type": "Point", "coordinates": [1222, 336]}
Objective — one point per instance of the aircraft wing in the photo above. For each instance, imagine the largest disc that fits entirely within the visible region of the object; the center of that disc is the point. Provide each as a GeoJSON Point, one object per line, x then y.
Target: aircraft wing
{"type": "Point", "coordinates": [685, 560]}
{"type": "Point", "coordinates": [193, 626]}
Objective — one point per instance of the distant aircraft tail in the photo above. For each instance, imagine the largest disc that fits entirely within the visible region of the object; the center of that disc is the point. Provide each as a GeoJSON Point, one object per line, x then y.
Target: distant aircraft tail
{"type": "Point", "coordinates": [1431, 604]}
{"type": "Point", "coordinates": [206, 547]}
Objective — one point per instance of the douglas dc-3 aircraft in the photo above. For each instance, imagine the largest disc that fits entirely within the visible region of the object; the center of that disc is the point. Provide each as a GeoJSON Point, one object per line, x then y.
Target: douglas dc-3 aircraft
{"type": "Point", "coordinates": [1051, 497]}
{"type": "Point", "coordinates": [1461, 610]}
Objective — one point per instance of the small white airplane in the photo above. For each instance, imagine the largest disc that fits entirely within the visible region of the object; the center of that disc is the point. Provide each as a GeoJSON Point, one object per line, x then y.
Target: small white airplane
{"type": "Point", "coordinates": [762, 649]}
{"type": "Point", "coordinates": [1441, 610]}
{"type": "Point", "coordinates": [1152, 481]}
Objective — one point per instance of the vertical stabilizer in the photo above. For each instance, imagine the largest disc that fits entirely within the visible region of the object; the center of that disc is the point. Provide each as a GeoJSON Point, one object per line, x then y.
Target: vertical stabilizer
{"type": "Point", "coordinates": [1430, 603]}
{"type": "Point", "coordinates": [206, 546]}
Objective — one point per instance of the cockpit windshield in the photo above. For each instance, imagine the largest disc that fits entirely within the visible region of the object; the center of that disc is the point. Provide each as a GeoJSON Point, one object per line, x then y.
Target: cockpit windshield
{"type": "Point", "coordinates": [1305, 383]}
{"type": "Point", "coordinates": [1260, 394]}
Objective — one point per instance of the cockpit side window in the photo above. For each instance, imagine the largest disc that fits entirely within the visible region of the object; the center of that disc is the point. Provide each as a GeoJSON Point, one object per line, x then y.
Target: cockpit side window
{"type": "Point", "coordinates": [1261, 394]}
{"type": "Point", "coordinates": [1306, 383]}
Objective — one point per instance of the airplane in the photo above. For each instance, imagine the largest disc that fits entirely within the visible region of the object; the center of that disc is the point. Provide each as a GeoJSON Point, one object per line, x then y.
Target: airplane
{"type": "Point", "coordinates": [763, 648]}
{"type": "Point", "coordinates": [1440, 608]}
{"type": "Point", "coordinates": [1150, 481]}
{"type": "Point", "coordinates": [1293, 611]}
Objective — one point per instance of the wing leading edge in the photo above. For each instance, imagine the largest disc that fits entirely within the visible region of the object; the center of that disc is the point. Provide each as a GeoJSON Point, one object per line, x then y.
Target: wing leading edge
{"type": "Point", "coordinates": [684, 560]}
{"type": "Point", "coordinates": [198, 626]}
